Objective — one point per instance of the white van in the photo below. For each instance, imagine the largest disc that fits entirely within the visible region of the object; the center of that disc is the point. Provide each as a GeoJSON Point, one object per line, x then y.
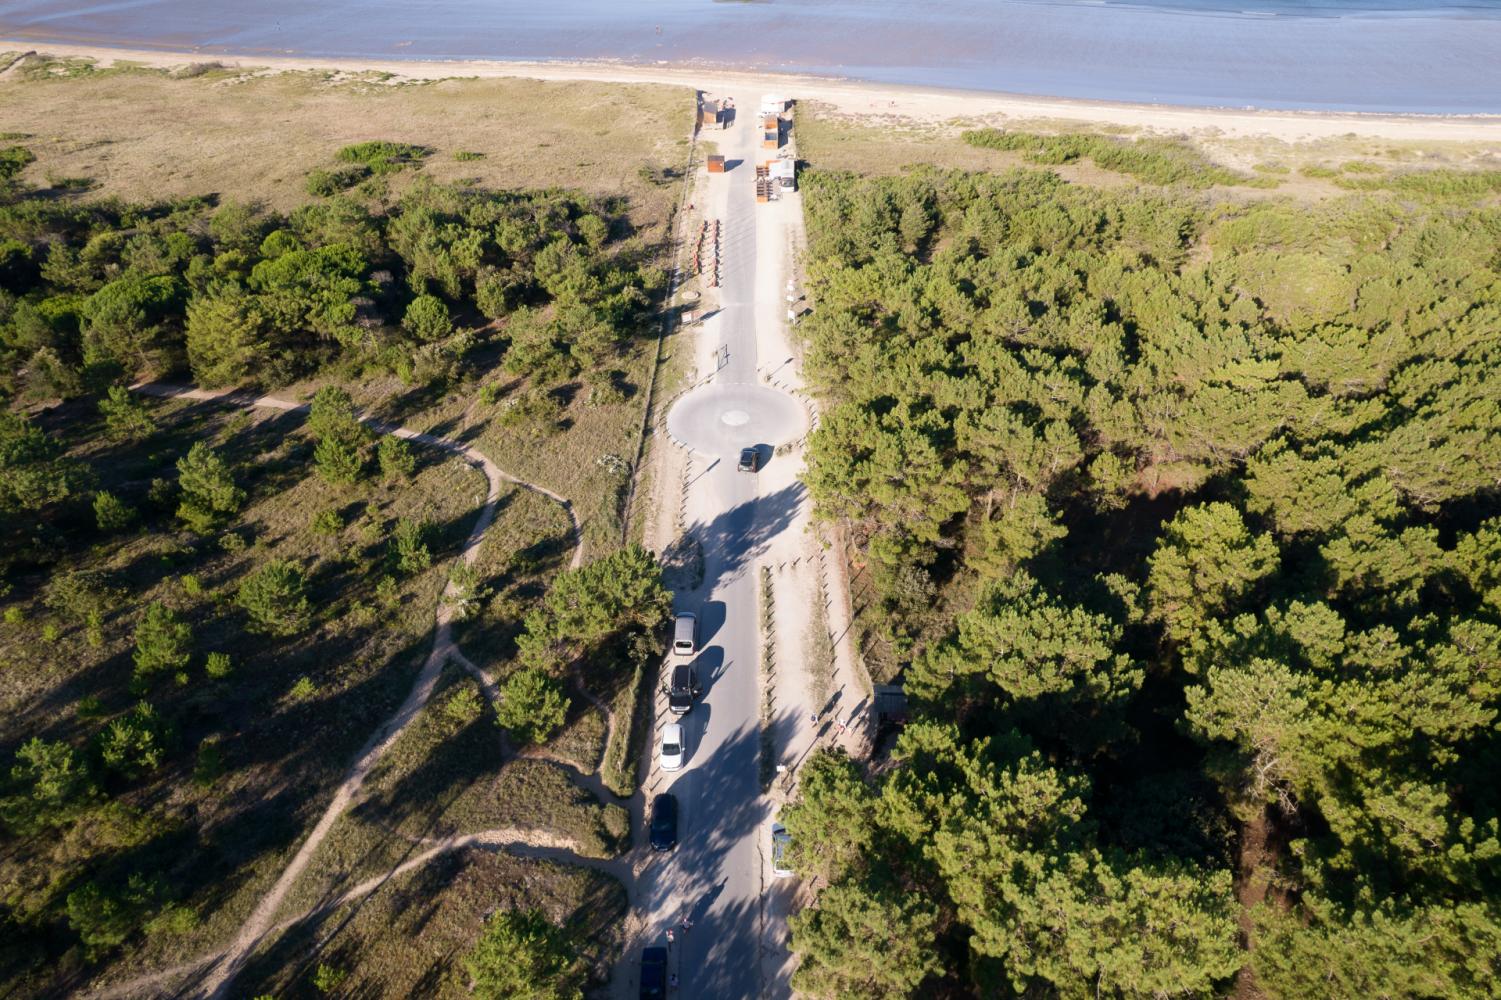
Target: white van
{"type": "Point", "coordinates": [685, 634]}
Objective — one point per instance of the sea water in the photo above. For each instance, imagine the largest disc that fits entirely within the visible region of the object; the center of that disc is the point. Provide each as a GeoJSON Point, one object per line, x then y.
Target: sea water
{"type": "Point", "coordinates": [1365, 55]}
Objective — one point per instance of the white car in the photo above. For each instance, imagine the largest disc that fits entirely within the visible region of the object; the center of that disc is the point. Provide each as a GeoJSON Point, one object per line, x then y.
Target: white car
{"type": "Point", "coordinates": [780, 840]}
{"type": "Point", "coordinates": [672, 751]}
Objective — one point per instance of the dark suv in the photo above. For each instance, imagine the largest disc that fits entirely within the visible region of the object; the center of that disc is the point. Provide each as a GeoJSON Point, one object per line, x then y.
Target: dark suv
{"type": "Point", "coordinates": [683, 689]}
{"type": "Point", "coordinates": [664, 822]}
{"type": "Point", "coordinates": [653, 973]}
{"type": "Point", "coordinates": [750, 460]}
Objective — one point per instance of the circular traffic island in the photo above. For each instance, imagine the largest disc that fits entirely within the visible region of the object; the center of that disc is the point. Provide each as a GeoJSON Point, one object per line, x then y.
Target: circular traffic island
{"type": "Point", "coordinates": [720, 419]}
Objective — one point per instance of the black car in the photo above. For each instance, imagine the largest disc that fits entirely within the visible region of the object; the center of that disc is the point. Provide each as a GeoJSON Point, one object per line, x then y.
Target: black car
{"type": "Point", "coordinates": [683, 689]}
{"type": "Point", "coordinates": [750, 460]}
{"type": "Point", "coordinates": [653, 973]}
{"type": "Point", "coordinates": [664, 822]}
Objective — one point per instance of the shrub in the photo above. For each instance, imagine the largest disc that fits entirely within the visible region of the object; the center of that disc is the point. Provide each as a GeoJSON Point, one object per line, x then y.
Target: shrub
{"type": "Point", "coordinates": [338, 460]}
{"type": "Point", "coordinates": [523, 955]}
{"type": "Point", "coordinates": [80, 596]}
{"type": "Point", "coordinates": [328, 978]}
{"type": "Point", "coordinates": [331, 415]}
{"type": "Point", "coordinates": [468, 156]}
{"type": "Point", "coordinates": [397, 460]}
{"type": "Point", "coordinates": [112, 514]}
{"type": "Point", "coordinates": [275, 599]}
{"type": "Point", "coordinates": [327, 522]}
{"type": "Point", "coordinates": [134, 744]}
{"type": "Point", "coordinates": [427, 319]}
{"type": "Point", "coordinates": [383, 157]}
{"type": "Point", "coordinates": [326, 183]}
{"type": "Point", "coordinates": [105, 918]}
{"type": "Point", "coordinates": [409, 551]}
{"type": "Point", "coordinates": [162, 641]}
{"type": "Point", "coordinates": [51, 782]}
{"type": "Point", "coordinates": [532, 706]}
{"type": "Point", "coordinates": [209, 493]}
{"type": "Point", "coordinates": [209, 764]}
{"type": "Point", "coordinates": [1155, 161]}
{"type": "Point", "coordinates": [463, 706]}
{"type": "Point", "coordinates": [125, 416]}
{"type": "Point", "coordinates": [218, 666]}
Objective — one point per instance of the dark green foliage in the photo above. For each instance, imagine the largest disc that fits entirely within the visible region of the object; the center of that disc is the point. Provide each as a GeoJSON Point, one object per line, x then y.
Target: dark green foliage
{"type": "Point", "coordinates": [209, 494]}
{"type": "Point", "coordinates": [275, 598]}
{"type": "Point", "coordinates": [383, 157]}
{"type": "Point", "coordinates": [49, 785]}
{"type": "Point", "coordinates": [14, 159]}
{"type": "Point", "coordinates": [226, 336]}
{"type": "Point", "coordinates": [1175, 518]}
{"type": "Point", "coordinates": [409, 551]}
{"type": "Point", "coordinates": [523, 956]}
{"type": "Point", "coordinates": [125, 416]}
{"type": "Point", "coordinates": [338, 460]}
{"type": "Point", "coordinates": [831, 836]}
{"type": "Point", "coordinates": [864, 944]}
{"type": "Point", "coordinates": [621, 592]}
{"type": "Point", "coordinates": [33, 470]}
{"type": "Point", "coordinates": [326, 183]}
{"type": "Point", "coordinates": [427, 319]}
{"type": "Point", "coordinates": [397, 460]}
{"type": "Point", "coordinates": [1155, 161]}
{"type": "Point", "coordinates": [107, 292]}
{"type": "Point", "coordinates": [136, 743]}
{"type": "Point", "coordinates": [106, 917]}
{"type": "Point", "coordinates": [113, 514]}
{"type": "Point", "coordinates": [532, 706]}
{"type": "Point", "coordinates": [163, 642]}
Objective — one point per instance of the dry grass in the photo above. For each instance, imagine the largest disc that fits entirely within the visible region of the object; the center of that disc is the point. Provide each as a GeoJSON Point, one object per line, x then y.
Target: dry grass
{"type": "Point", "coordinates": [142, 134]}
{"type": "Point", "coordinates": [244, 136]}
{"type": "Point", "coordinates": [446, 776]}
{"type": "Point", "coordinates": [408, 939]}
{"type": "Point", "coordinates": [281, 754]}
{"type": "Point", "coordinates": [833, 141]}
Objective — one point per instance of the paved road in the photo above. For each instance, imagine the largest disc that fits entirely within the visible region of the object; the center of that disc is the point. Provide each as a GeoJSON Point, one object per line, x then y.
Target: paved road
{"type": "Point", "coordinates": [714, 878]}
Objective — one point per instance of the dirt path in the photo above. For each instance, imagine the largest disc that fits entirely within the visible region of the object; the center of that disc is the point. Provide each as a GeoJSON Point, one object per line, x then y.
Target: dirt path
{"type": "Point", "coordinates": [523, 843]}
{"type": "Point", "coordinates": [254, 931]}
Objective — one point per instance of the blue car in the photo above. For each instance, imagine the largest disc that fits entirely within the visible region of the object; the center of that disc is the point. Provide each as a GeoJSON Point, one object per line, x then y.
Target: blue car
{"type": "Point", "coordinates": [664, 822]}
{"type": "Point", "coordinates": [653, 973]}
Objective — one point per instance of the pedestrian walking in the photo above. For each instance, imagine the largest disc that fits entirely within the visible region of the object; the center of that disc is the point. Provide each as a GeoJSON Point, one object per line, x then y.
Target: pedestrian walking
{"type": "Point", "coordinates": [687, 925]}
{"type": "Point", "coordinates": [669, 935]}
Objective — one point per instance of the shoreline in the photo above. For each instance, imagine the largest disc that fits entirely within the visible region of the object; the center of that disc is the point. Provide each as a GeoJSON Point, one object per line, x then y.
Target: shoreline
{"type": "Point", "coordinates": [897, 104]}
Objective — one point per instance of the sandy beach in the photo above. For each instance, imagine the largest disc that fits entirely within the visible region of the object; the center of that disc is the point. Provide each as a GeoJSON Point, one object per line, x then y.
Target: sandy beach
{"type": "Point", "coordinates": [899, 104]}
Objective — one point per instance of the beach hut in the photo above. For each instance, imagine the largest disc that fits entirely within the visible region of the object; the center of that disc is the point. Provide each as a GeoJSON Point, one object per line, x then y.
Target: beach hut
{"type": "Point", "coordinates": [716, 164]}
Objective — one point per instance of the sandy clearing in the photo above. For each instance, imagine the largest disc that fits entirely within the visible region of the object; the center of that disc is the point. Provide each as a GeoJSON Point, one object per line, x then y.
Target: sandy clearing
{"type": "Point", "coordinates": [910, 104]}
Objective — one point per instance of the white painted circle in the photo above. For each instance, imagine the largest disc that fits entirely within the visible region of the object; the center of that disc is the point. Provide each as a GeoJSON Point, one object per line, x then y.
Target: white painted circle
{"type": "Point", "coordinates": [734, 418]}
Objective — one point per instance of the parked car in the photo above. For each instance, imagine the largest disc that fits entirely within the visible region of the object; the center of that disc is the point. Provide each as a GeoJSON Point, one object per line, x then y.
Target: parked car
{"type": "Point", "coordinates": [683, 688]}
{"type": "Point", "coordinates": [672, 750]}
{"type": "Point", "coordinates": [780, 841]}
{"type": "Point", "coordinates": [685, 634]}
{"type": "Point", "coordinates": [664, 822]}
{"type": "Point", "coordinates": [750, 460]}
{"type": "Point", "coordinates": [653, 973]}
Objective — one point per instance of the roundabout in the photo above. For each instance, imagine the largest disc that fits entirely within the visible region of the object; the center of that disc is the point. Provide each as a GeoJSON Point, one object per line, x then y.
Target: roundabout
{"type": "Point", "coordinates": [719, 419]}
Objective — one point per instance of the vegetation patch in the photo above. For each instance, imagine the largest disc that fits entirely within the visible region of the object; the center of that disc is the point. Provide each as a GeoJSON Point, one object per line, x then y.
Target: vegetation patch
{"type": "Point", "coordinates": [1180, 522]}
{"type": "Point", "coordinates": [427, 932]}
{"type": "Point", "coordinates": [1151, 160]}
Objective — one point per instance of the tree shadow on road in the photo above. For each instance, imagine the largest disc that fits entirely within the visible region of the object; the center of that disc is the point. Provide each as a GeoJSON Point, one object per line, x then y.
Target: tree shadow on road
{"type": "Point", "coordinates": [736, 538]}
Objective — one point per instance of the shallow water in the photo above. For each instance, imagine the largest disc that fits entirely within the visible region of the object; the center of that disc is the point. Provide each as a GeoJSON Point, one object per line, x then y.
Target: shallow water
{"type": "Point", "coordinates": [1368, 55]}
